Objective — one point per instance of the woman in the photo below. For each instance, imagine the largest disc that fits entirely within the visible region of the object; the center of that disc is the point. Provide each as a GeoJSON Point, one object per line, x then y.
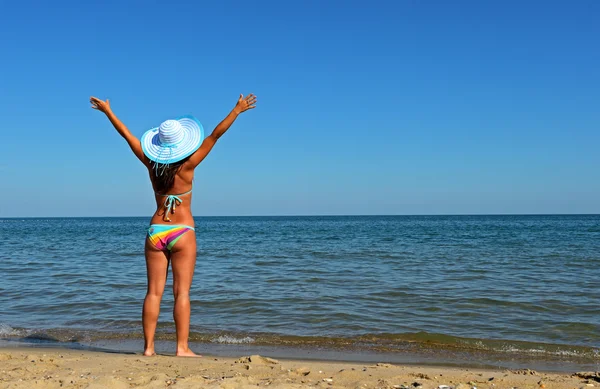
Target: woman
{"type": "Point", "coordinates": [171, 152]}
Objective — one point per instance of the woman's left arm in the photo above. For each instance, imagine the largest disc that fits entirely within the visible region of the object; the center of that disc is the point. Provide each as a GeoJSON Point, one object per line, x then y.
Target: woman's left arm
{"type": "Point", "coordinates": [134, 143]}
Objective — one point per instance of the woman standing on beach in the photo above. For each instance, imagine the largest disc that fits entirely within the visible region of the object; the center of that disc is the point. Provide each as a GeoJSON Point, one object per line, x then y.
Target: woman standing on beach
{"type": "Point", "coordinates": [171, 152]}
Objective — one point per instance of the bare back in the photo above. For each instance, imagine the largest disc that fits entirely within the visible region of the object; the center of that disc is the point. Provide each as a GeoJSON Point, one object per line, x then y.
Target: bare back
{"type": "Point", "coordinates": [183, 210]}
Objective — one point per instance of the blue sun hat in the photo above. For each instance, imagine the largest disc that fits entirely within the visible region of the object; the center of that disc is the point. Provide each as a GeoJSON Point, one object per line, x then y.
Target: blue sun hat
{"type": "Point", "coordinates": [173, 140]}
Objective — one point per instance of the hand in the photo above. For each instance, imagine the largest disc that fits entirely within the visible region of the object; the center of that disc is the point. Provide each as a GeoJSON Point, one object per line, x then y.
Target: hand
{"type": "Point", "coordinates": [245, 103]}
{"type": "Point", "coordinates": [102, 106]}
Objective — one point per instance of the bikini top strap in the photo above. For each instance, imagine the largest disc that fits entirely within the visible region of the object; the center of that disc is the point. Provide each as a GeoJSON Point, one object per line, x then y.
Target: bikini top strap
{"type": "Point", "coordinates": [174, 195]}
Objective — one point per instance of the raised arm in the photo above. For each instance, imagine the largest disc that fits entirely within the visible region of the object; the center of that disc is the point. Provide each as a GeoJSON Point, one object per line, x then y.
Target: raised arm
{"type": "Point", "coordinates": [134, 143]}
{"type": "Point", "coordinates": [243, 104]}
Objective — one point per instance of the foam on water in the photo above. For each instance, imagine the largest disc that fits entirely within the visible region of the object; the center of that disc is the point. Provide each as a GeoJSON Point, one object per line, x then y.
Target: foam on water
{"type": "Point", "coordinates": [227, 339]}
{"type": "Point", "coordinates": [8, 331]}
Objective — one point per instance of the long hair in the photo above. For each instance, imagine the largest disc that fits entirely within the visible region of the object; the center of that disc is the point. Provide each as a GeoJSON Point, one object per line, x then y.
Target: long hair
{"type": "Point", "coordinates": [163, 175]}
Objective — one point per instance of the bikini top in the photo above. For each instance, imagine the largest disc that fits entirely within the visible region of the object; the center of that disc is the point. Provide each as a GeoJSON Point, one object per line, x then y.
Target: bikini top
{"type": "Point", "coordinates": [171, 202]}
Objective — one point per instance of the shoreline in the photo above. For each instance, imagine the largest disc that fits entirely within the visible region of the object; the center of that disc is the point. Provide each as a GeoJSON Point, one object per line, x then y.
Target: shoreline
{"type": "Point", "coordinates": [422, 356]}
{"type": "Point", "coordinates": [408, 348]}
{"type": "Point", "coordinates": [53, 368]}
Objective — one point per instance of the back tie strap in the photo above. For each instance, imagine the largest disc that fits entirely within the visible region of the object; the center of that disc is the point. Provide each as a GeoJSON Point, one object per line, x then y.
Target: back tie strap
{"type": "Point", "coordinates": [171, 202]}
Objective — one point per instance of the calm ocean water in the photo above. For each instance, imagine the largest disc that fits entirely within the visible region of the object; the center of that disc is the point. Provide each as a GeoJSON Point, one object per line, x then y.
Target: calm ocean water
{"type": "Point", "coordinates": [501, 283]}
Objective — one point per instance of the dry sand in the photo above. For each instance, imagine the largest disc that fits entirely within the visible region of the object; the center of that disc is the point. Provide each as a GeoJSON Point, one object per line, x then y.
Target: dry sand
{"type": "Point", "coordinates": [56, 368]}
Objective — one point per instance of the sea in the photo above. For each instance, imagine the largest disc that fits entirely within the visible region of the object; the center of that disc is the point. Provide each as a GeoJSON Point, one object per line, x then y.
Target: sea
{"type": "Point", "coordinates": [509, 291]}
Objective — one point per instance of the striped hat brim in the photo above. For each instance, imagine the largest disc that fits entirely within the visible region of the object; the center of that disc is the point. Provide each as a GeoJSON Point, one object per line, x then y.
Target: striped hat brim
{"type": "Point", "coordinates": [193, 135]}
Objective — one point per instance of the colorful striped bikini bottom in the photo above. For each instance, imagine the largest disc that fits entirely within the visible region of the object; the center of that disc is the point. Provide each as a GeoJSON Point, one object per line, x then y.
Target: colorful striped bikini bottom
{"type": "Point", "coordinates": [164, 236]}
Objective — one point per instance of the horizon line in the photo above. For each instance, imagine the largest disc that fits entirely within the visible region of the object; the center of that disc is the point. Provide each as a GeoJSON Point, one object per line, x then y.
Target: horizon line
{"type": "Point", "coordinates": [322, 215]}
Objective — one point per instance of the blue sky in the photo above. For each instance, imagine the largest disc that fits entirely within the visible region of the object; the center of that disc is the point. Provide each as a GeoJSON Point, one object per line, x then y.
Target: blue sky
{"type": "Point", "coordinates": [379, 107]}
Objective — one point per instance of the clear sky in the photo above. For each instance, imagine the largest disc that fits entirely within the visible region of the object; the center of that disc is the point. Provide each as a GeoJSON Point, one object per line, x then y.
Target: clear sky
{"type": "Point", "coordinates": [365, 107]}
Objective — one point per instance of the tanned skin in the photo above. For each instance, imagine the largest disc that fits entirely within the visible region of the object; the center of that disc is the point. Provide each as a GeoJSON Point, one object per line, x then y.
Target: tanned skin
{"type": "Point", "coordinates": [183, 254]}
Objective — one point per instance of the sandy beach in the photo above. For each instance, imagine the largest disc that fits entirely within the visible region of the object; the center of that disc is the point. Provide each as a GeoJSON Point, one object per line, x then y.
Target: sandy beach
{"type": "Point", "coordinates": [61, 368]}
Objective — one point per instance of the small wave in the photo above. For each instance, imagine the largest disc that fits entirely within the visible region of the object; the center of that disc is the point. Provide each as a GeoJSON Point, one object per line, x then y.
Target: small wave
{"type": "Point", "coordinates": [6, 330]}
{"type": "Point", "coordinates": [232, 340]}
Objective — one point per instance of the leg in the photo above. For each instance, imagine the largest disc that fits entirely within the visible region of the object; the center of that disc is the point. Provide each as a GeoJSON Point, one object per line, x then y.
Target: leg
{"type": "Point", "coordinates": [183, 262]}
{"type": "Point", "coordinates": [157, 265]}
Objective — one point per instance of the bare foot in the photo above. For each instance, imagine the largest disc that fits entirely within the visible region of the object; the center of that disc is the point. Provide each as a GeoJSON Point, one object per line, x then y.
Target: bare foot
{"type": "Point", "coordinates": [149, 353]}
{"type": "Point", "coordinates": [187, 353]}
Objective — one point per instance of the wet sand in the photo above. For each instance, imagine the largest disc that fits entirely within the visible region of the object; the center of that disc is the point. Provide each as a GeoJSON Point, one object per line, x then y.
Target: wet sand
{"type": "Point", "coordinates": [62, 368]}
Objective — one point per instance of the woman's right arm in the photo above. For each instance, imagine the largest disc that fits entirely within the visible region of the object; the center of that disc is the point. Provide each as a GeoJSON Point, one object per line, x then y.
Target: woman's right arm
{"type": "Point", "coordinates": [134, 143]}
{"type": "Point", "coordinates": [243, 104]}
